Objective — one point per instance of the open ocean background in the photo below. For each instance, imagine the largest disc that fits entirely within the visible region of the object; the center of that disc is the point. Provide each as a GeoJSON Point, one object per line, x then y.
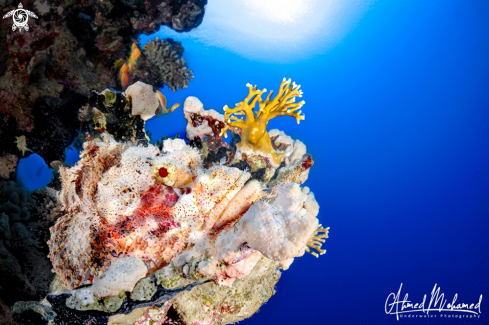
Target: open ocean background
{"type": "Point", "coordinates": [397, 122]}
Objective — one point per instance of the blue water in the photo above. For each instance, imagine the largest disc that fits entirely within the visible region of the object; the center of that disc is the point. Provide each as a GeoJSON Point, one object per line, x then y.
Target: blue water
{"type": "Point", "coordinates": [397, 124]}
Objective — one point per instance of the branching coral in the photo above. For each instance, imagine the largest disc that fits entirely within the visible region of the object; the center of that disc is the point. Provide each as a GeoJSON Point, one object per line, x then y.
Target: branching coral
{"type": "Point", "coordinates": [317, 240]}
{"type": "Point", "coordinates": [253, 127]}
{"type": "Point", "coordinates": [166, 56]}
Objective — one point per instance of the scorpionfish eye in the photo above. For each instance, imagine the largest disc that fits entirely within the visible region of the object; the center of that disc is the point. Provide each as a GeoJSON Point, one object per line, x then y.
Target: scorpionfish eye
{"type": "Point", "coordinates": [163, 172]}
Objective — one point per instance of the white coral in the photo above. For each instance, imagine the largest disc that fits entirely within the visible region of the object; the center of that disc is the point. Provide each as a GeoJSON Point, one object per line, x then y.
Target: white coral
{"type": "Point", "coordinates": [122, 275]}
{"type": "Point", "coordinates": [281, 230]}
{"type": "Point", "coordinates": [192, 106]}
{"type": "Point", "coordinates": [294, 149]}
{"type": "Point", "coordinates": [143, 99]}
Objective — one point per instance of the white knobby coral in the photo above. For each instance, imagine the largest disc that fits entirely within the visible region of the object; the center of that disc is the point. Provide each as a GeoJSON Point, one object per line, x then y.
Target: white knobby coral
{"type": "Point", "coordinates": [282, 229]}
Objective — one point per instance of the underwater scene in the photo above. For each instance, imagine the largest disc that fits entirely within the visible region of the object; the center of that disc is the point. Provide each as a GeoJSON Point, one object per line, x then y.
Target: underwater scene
{"type": "Point", "coordinates": [208, 162]}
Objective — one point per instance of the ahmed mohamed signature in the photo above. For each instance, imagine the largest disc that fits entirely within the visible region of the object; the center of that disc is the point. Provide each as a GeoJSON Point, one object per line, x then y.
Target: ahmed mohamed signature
{"type": "Point", "coordinates": [394, 305]}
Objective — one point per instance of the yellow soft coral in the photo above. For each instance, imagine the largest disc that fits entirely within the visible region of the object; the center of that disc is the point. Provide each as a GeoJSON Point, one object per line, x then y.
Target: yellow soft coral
{"type": "Point", "coordinates": [254, 134]}
{"type": "Point", "coordinates": [317, 240]}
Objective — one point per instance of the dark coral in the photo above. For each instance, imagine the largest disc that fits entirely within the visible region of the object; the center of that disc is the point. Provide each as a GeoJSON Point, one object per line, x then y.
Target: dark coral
{"type": "Point", "coordinates": [25, 270]}
{"type": "Point", "coordinates": [46, 79]}
{"type": "Point", "coordinates": [67, 316]}
{"type": "Point", "coordinates": [55, 119]}
{"type": "Point", "coordinates": [111, 111]}
{"type": "Point", "coordinates": [166, 56]}
{"type": "Point", "coordinates": [6, 312]}
{"type": "Point", "coordinates": [14, 201]}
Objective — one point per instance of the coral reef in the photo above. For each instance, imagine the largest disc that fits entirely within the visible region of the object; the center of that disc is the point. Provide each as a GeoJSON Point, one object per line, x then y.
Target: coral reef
{"type": "Point", "coordinates": [205, 130]}
{"type": "Point", "coordinates": [182, 222]}
{"type": "Point", "coordinates": [47, 72]}
{"type": "Point", "coordinates": [32, 312]}
{"type": "Point", "coordinates": [212, 304]}
{"type": "Point", "coordinates": [47, 75]}
{"type": "Point", "coordinates": [167, 235]}
{"type": "Point", "coordinates": [6, 316]}
{"type": "Point", "coordinates": [166, 56]}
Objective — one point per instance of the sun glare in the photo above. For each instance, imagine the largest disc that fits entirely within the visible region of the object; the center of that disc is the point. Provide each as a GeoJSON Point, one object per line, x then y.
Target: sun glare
{"type": "Point", "coordinates": [276, 30]}
{"type": "Point", "coordinates": [280, 11]}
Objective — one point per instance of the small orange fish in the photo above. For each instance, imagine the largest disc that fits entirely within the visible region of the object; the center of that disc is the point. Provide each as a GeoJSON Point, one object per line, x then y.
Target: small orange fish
{"type": "Point", "coordinates": [131, 66]}
{"type": "Point", "coordinates": [124, 80]}
{"type": "Point", "coordinates": [57, 163]}
{"type": "Point", "coordinates": [118, 63]}
{"type": "Point", "coordinates": [147, 47]}
{"type": "Point", "coordinates": [123, 70]}
{"type": "Point", "coordinates": [123, 76]}
{"type": "Point", "coordinates": [134, 55]}
{"type": "Point", "coordinates": [161, 98]}
{"type": "Point", "coordinates": [174, 107]}
{"type": "Point", "coordinates": [163, 102]}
